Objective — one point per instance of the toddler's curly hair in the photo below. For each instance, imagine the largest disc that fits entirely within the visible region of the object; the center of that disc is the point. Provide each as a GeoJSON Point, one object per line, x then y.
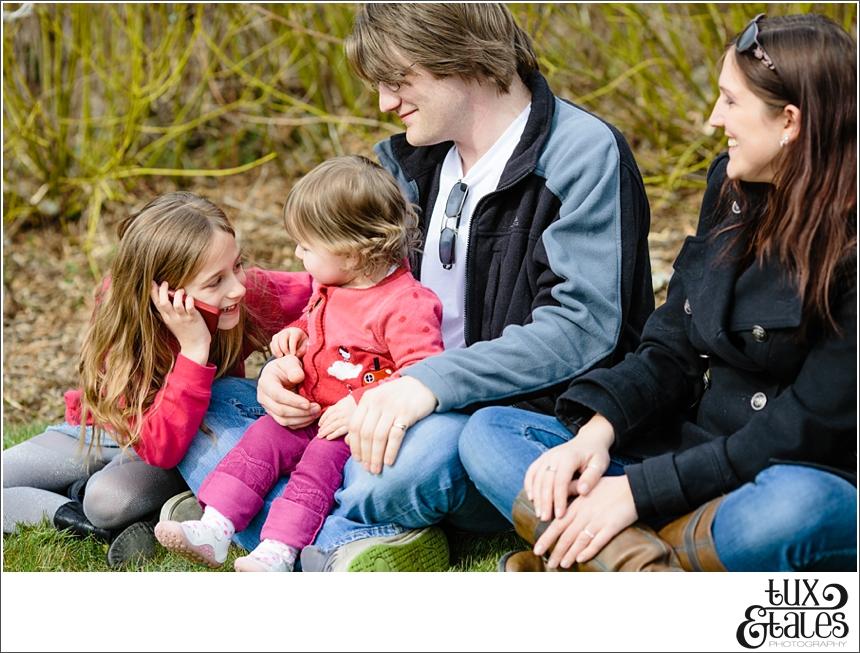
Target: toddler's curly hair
{"type": "Point", "coordinates": [353, 207]}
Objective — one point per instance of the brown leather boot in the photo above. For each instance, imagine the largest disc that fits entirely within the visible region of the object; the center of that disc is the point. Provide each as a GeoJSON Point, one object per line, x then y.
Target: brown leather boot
{"type": "Point", "coordinates": [690, 537]}
{"type": "Point", "coordinates": [636, 548]}
{"type": "Point", "coordinates": [523, 561]}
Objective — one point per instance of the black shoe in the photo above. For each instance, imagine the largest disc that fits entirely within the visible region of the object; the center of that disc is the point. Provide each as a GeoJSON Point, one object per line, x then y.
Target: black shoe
{"type": "Point", "coordinates": [70, 517]}
{"type": "Point", "coordinates": [133, 545]}
{"type": "Point", "coordinates": [76, 490]}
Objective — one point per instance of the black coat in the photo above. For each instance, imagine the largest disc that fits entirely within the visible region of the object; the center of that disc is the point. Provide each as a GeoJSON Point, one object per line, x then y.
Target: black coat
{"type": "Point", "coordinates": [722, 385]}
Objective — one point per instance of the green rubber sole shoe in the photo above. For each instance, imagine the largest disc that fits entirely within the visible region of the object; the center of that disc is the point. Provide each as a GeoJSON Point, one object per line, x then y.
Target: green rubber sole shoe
{"type": "Point", "coordinates": [425, 549]}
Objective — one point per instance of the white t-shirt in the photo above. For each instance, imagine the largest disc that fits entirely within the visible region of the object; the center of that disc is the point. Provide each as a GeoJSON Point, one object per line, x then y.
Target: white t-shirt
{"type": "Point", "coordinates": [483, 178]}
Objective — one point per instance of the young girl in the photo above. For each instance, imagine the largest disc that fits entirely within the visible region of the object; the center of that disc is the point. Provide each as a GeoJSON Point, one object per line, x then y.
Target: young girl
{"type": "Point", "coordinates": [736, 419]}
{"type": "Point", "coordinates": [147, 369]}
{"type": "Point", "coordinates": [366, 319]}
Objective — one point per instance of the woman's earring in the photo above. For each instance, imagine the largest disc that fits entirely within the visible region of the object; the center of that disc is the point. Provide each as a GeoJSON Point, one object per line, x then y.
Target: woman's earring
{"type": "Point", "coordinates": [784, 140]}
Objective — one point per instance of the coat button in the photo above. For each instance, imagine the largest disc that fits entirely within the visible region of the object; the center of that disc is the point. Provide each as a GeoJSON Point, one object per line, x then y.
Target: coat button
{"type": "Point", "coordinates": [687, 309]}
{"type": "Point", "coordinates": [759, 334]}
{"type": "Point", "coordinates": [758, 401]}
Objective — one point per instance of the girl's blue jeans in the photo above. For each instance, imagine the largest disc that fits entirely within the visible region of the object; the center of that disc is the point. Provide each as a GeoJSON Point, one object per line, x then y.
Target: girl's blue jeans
{"type": "Point", "coordinates": [426, 484]}
{"type": "Point", "coordinates": [789, 518]}
{"type": "Point", "coordinates": [233, 407]}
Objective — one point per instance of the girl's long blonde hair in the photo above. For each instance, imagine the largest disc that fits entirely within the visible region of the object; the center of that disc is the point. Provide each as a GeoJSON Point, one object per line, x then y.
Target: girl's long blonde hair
{"type": "Point", "coordinates": [128, 350]}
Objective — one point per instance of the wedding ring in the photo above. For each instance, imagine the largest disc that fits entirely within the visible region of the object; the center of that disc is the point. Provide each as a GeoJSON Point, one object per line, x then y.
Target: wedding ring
{"type": "Point", "coordinates": [550, 468]}
{"type": "Point", "coordinates": [400, 425]}
{"type": "Point", "coordinates": [589, 533]}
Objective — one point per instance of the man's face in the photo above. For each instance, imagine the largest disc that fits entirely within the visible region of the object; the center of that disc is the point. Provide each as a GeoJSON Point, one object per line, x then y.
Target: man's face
{"type": "Point", "coordinates": [433, 110]}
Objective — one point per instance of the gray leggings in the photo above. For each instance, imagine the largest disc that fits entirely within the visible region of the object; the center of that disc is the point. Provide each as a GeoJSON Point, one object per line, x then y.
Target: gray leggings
{"type": "Point", "coordinates": [121, 488]}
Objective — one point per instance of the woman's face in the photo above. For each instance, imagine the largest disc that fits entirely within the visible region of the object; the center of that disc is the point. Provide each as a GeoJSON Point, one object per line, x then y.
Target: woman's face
{"type": "Point", "coordinates": [221, 279]}
{"type": "Point", "coordinates": [753, 128]}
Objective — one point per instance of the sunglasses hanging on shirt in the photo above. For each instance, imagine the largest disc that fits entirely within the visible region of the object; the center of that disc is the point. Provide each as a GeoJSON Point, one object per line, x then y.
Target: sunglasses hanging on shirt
{"type": "Point", "coordinates": [453, 213]}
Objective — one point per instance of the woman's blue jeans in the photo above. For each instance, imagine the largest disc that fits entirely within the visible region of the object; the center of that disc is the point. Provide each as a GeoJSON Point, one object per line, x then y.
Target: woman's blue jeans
{"type": "Point", "coordinates": [790, 518]}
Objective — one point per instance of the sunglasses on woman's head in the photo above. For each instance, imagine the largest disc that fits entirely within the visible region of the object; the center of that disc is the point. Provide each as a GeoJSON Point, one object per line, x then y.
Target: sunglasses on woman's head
{"type": "Point", "coordinates": [749, 38]}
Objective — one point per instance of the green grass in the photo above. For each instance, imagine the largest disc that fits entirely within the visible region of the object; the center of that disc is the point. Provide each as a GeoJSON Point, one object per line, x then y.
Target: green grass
{"type": "Point", "coordinates": [13, 434]}
{"type": "Point", "coordinates": [481, 553]}
{"type": "Point", "coordinates": [43, 548]}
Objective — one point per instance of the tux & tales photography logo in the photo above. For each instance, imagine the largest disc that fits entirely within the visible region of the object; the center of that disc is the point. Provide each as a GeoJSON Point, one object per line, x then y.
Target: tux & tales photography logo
{"type": "Point", "coordinates": [796, 613]}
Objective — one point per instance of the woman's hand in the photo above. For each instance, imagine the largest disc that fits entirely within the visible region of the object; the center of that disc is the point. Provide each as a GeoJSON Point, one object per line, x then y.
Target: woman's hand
{"type": "Point", "coordinates": [335, 420]}
{"type": "Point", "coordinates": [384, 413]}
{"type": "Point", "coordinates": [589, 523]}
{"type": "Point", "coordinates": [184, 322]}
{"type": "Point", "coordinates": [276, 393]}
{"type": "Point", "coordinates": [291, 340]}
{"type": "Point", "coordinates": [549, 480]}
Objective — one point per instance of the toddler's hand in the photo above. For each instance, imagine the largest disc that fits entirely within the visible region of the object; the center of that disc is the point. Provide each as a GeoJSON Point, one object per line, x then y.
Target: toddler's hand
{"type": "Point", "coordinates": [335, 421]}
{"type": "Point", "coordinates": [291, 340]}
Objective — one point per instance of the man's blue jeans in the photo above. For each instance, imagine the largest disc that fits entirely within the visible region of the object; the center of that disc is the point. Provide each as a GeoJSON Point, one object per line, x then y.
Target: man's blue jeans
{"type": "Point", "coordinates": [791, 517]}
{"type": "Point", "coordinates": [426, 484]}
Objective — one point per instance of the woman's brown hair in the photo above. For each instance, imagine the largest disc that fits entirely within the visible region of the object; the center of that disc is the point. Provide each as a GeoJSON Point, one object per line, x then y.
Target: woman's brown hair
{"type": "Point", "coordinates": [810, 215]}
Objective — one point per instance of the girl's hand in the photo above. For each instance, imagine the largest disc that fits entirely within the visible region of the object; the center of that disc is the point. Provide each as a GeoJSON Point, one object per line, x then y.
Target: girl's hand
{"type": "Point", "coordinates": [335, 420]}
{"type": "Point", "coordinates": [291, 340]}
{"type": "Point", "coordinates": [549, 480]}
{"type": "Point", "coordinates": [589, 523]}
{"type": "Point", "coordinates": [184, 322]}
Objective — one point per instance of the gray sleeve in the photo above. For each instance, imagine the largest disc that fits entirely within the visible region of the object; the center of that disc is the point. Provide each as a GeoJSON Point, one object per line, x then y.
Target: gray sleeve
{"type": "Point", "coordinates": [385, 153]}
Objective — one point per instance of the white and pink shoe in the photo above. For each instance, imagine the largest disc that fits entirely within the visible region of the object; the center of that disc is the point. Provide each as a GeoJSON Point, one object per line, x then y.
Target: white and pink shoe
{"type": "Point", "coordinates": [195, 540]}
{"type": "Point", "coordinates": [270, 555]}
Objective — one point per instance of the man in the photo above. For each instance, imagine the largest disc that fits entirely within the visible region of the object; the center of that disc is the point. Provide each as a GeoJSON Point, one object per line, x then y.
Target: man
{"type": "Point", "coordinates": [534, 222]}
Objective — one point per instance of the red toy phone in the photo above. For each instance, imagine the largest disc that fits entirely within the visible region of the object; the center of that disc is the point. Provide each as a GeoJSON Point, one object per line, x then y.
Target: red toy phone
{"type": "Point", "coordinates": [210, 314]}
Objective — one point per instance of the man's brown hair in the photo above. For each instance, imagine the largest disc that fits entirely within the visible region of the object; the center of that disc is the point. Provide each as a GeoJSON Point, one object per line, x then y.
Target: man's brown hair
{"type": "Point", "coordinates": [479, 41]}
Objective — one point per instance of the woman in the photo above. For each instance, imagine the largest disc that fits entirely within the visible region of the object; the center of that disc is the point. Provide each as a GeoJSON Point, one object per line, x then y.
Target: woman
{"type": "Point", "coordinates": [739, 405]}
{"type": "Point", "coordinates": [151, 367]}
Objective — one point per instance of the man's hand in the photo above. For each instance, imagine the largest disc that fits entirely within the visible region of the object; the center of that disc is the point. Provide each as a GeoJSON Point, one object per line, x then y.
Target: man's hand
{"type": "Point", "coordinates": [335, 420]}
{"type": "Point", "coordinates": [276, 393]}
{"type": "Point", "coordinates": [384, 413]}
